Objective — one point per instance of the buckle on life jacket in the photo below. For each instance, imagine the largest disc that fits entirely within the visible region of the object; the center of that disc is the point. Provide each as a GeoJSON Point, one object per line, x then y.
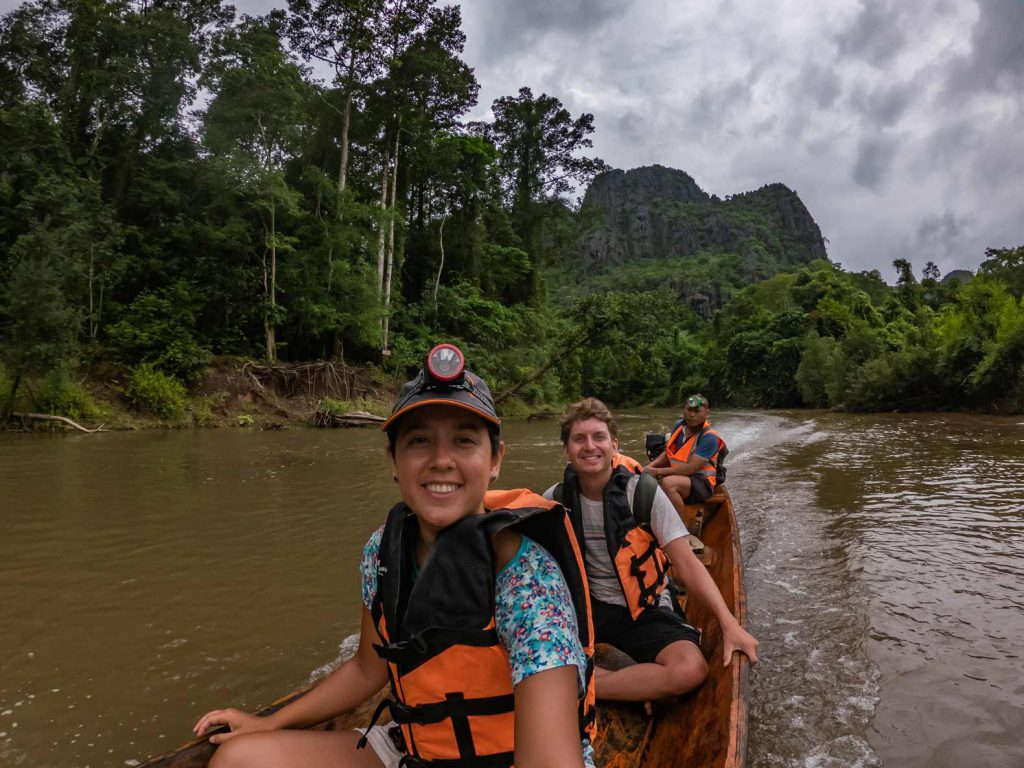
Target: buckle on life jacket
{"type": "Point", "coordinates": [403, 650]}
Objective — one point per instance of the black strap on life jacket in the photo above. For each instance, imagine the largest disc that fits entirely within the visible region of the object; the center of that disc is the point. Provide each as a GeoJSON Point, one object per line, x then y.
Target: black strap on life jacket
{"type": "Point", "coordinates": [458, 709]}
{"type": "Point", "coordinates": [620, 517]}
{"type": "Point", "coordinates": [649, 594]}
{"type": "Point", "coordinates": [643, 498]}
{"type": "Point", "coordinates": [642, 507]}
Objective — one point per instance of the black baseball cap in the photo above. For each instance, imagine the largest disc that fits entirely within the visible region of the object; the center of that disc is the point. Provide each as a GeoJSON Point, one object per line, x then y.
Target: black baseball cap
{"type": "Point", "coordinates": [444, 380]}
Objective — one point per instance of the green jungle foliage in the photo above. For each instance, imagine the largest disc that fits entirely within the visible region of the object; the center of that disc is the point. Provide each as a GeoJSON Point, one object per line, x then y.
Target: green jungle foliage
{"type": "Point", "coordinates": [362, 218]}
{"type": "Point", "coordinates": [159, 393]}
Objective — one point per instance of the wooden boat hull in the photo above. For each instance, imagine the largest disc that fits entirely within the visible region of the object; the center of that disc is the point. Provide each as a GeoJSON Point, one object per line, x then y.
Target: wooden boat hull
{"type": "Point", "coordinates": [706, 728]}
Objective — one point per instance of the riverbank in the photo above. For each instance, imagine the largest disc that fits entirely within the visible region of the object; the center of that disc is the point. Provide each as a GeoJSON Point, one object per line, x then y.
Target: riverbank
{"type": "Point", "coordinates": [232, 392]}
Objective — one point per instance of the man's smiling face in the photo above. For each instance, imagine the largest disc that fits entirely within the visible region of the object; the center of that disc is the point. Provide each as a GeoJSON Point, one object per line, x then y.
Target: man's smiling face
{"type": "Point", "coordinates": [590, 447]}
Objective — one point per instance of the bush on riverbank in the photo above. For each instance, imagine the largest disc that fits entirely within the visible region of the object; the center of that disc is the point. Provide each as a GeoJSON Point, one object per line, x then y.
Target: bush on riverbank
{"type": "Point", "coordinates": [60, 395]}
{"type": "Point", "coordinates": [157, 392]}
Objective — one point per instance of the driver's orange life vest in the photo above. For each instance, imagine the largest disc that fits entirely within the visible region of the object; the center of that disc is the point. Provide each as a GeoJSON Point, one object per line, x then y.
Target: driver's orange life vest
{"type": "Point", "coordinates": [451, 681]}
{"type": "Point", "coordinates": [640, 565]}
{"type": "Point", "coordinates": [682, 454]}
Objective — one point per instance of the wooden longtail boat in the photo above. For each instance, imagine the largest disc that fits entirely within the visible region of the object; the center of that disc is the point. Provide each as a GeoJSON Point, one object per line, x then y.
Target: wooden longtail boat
{"type": "Point", "coordinates": [707, 728]}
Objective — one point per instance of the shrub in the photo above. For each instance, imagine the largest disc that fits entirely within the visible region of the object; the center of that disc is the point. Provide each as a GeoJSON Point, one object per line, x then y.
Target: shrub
{"type": "Point", "coordinates": [157, 392]}
{"type": "Point", "coordinates": [61, 395]}
{"type": "Point", "coordinates": [341, 407]}
{"type": "Point", "coordinates": [201, 411]}
{"type": "Point", "coordinates": [159, 329]}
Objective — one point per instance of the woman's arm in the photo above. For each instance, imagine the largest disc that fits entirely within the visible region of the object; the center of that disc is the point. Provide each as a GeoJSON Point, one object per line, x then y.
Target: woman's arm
{"type": "Point", "coordinates": [698, 581]}
{"type": "Point", "coordinates": [355, 681]}
{"type": "Point", "coordinates": [547, 729]}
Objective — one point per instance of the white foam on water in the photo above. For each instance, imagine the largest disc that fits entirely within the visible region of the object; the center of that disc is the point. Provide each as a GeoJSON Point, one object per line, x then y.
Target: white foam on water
{"type": "Point", "coordinates": [844, 752]}
{"type": "Point", "coordinates": [346, 650]}
{"type": "Point", "coordinates": [787, 586]}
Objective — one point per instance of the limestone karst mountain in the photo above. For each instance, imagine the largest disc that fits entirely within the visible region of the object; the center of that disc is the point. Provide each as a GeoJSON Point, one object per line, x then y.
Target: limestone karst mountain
{"type": "Point", "coordinates": [660, 225]}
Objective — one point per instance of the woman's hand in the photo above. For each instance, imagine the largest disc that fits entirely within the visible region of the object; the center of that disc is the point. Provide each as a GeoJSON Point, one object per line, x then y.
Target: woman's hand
{"type": "Point", "coordinates": [235, 719]}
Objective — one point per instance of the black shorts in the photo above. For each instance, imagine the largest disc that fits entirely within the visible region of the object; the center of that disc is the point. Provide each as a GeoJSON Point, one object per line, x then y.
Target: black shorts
{"type": "Point", "coordinates": [700, 490]}
{"type": "Point", "coordinates": [643, 639]}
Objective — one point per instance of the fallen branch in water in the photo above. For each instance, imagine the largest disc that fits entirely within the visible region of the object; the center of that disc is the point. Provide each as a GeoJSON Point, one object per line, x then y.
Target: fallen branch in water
{"type": "Point", "coordinates": [26, 417]}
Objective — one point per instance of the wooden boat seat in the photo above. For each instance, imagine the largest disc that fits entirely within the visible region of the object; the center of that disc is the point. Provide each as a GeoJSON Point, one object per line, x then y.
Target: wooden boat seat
{"type": "Point", "coordinates": [696, 516]}
{"type": "Point", "coordinates": [696, 545]}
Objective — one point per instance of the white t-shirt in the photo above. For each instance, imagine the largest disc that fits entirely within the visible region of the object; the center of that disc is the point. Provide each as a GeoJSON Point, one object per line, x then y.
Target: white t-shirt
{"type": "Point", "coordinates": [604, 583]}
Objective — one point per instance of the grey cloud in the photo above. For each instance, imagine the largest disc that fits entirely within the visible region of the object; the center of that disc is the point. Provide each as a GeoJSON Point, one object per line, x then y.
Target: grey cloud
{"type": "Point", "coordinates": [511, 25]}
{"type": "Point", "coordinates": [951, 241]}
{"type": "Point", "coordinates": [996, 60]}
{"type": "Point", "coordinates": [822, 84]}
{"type": "Point", "coordinates": [874, 35]}
{"type": "Point", "coordinates": [715, 106]}
{"type": "Point", "coordinates": [874, 156]}
{"type": "Point", "coordinates": [885, 105]}
{"type": "Point", "coordinates": [936, 230]}
{"type": "Point", "coordinates": [952, 141]}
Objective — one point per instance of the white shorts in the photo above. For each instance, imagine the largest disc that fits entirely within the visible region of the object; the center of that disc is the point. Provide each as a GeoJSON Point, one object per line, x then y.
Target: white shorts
{"type": "Point", "coordinates": [382, 744]}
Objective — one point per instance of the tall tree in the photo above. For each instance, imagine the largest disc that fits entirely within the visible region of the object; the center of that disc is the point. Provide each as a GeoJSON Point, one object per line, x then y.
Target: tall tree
{"type": "Point", "coordinates": [540, 144]}
{"type": "Point", "coordinates": [1007, 265]}
{"type": "Point", "coordinates": [343, 34]}
{"type": "Point", "coordinates": [38, 326]}
{"type": "Point", "coordinates": [117, 74]}
{"type": "Point", "coordinates": [254, 124]}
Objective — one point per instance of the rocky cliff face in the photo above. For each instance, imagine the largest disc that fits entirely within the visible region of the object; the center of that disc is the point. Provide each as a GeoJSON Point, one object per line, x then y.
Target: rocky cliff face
{"type": "Point", "coordinates": [660, 213]}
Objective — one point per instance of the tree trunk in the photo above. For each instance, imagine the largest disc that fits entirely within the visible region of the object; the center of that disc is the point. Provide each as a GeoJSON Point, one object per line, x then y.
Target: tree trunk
{"type": "Point", "coordinates": [343, 165]}
{"type": "Point", "coordinates": [389, 267]}
{"type": "Point", "coordinates": [10, 397]}
{"type": "Point", "coordinates": [92, 317]}
{"type": "Point", "coordinates": [440, 243]}
{"type": "Point", "coordinates": [346, 119]}
{"type": "Point", "coordinates": [394, 190]}
{"type": "Point", "coordinates": [99, 308]}
{"type": "Point", "coordinates": [270, 288]}
{"type": "Point", "coordinates": [380, 231]}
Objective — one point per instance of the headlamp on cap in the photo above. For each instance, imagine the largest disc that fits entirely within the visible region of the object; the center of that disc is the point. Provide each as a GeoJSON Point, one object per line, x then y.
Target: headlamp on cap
{"type": "Point", "coordinates": [695, 401]}
{"type": "Point", "coordinates": [444, 380]}
{"type": "Point", "coordinates": [445, 365]}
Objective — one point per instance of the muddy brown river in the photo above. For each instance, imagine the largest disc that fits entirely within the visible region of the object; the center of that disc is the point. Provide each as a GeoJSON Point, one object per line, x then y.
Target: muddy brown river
{"type": "Point", "coordinates": [147, 577]}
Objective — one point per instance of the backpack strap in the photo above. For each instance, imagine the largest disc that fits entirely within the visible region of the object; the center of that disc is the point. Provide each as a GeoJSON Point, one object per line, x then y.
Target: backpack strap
{"type": "Point", "coordinates": [643, 499]}
{"type": "Point", "coordinates": [556, 493]}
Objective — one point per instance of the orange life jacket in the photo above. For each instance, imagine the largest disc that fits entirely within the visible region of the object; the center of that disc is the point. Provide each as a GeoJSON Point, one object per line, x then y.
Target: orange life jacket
{"type": "Point", "coordinates": [631, 464]}
{"type": "Point", "coordinates": [684, 453]}
{"type": "Point", "coordinates": [451, 682]}
{"type": "Point", "coordinates": [639, 562]}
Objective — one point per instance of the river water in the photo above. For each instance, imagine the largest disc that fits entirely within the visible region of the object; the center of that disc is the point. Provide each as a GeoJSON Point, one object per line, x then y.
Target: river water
{"type": "Point", "coordinates": [147, 577]}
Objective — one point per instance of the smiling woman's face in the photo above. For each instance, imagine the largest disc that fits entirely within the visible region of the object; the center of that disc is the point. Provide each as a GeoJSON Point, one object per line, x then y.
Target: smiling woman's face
{"type": "Point", "coordinates": [443, 463]}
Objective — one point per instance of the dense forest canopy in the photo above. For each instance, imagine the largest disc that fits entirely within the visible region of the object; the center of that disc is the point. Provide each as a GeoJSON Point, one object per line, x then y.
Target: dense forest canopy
{"type": "Point", "coordinates": [177, 184]}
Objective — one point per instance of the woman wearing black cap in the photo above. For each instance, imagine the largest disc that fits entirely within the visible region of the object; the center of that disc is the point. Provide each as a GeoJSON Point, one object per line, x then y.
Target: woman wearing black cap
{"type": "Point", "coordinates": [471, 621]}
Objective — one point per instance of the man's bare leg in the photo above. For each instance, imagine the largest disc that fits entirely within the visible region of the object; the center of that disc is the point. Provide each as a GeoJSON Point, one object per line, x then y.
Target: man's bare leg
{"type": "Point", "coordinates": [680, 667]}
{"type": "Point", "coordinates": [677, 488]}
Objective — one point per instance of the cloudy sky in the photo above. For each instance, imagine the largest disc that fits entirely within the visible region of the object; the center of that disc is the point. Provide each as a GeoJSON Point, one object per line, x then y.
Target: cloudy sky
{"type": "Point", "coordinates": [898, 123]}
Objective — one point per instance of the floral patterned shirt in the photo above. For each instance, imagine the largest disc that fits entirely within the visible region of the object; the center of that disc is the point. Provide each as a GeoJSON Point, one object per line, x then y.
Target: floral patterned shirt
{"type": "Point", "coordinates": [534, 615]}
